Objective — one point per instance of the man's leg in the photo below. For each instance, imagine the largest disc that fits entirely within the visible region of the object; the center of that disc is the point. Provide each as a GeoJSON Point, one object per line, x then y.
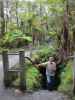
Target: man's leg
{"type": "Point", "coordinates": [50, 82]}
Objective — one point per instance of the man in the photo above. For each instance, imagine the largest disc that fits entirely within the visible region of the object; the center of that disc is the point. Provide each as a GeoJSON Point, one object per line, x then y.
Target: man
{"type": "Point", "coordinates": [50, 72]}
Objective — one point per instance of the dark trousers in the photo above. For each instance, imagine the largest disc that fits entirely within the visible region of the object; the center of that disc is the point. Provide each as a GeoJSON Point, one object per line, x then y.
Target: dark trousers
{"type": "Point", "coordinates": [51, 83]}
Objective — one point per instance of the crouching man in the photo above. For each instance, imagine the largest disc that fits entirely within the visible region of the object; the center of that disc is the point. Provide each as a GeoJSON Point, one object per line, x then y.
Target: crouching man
{"type": "Point", "coordinates": [50, 72]}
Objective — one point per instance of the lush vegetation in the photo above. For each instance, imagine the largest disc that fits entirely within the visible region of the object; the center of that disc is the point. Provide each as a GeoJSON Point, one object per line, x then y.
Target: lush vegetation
{"type": "Point", "coordinates": [15, 39]}
{"type": "Point", "coordinates": [50, 23]}
{"type": "Point", "coordinates": [66, 85]}
{"type": "Point", "coordinates": [67, 78]}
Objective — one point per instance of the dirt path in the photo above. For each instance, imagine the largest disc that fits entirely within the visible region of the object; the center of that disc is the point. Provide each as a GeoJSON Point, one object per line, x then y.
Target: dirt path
{"type": "Point", "coordinates": [40, 95]}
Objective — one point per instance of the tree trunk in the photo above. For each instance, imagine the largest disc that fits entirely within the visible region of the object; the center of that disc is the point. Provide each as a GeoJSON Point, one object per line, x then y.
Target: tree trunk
{"type": "Point", "coordinates": [65, 32]}
{"type": "Point", "coordinates": [7, 17]}
{"type": "Point", "coordinates": [17, 21]}
{"type": "Point", "coordinates": [2, 18]}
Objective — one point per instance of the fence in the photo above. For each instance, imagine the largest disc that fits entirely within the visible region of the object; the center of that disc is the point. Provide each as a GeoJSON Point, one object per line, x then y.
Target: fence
{"type": "Point", "coordinates": [20, 70]}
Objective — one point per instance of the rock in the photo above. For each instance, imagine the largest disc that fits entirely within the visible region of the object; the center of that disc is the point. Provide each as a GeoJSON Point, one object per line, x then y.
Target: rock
{"type": "Point", "coordinates": [18, 92]}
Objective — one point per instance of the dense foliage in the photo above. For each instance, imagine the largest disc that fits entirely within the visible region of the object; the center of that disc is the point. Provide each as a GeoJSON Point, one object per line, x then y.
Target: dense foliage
{"type": "Point", "coordinates": [44, 53]}
{"type": "Point", "coordinates": [35, 19]}
{"type": "Point", "coordinates": [39, 22]}
{"type": "Point", "coordinates": [15, 39]}
{"type": "Point", "coordinates": [67, 78]}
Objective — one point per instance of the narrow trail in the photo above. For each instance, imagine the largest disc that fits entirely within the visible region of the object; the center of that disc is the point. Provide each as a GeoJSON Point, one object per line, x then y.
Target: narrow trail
{"type": "Point", "coordinates": [40, 95]}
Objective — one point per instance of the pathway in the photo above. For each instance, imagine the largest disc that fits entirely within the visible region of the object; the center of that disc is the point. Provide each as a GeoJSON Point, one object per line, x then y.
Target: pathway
{"type": "Point", "coordinates": [40, 95]}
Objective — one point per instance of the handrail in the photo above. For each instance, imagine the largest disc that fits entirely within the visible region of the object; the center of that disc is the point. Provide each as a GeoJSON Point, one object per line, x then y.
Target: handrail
{"type": "Point", "coordinates": [29, 59]}
{"type": "Point", "coordinates": [16, 53]}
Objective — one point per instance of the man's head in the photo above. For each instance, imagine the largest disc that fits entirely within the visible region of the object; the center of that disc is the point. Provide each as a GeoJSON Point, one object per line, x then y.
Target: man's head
{"type": "Point", "coordinates": [51, 59]}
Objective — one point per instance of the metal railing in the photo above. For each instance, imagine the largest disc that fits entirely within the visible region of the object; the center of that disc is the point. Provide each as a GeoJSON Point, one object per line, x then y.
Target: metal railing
{"type": "Point", "coordinates": [20, 70]}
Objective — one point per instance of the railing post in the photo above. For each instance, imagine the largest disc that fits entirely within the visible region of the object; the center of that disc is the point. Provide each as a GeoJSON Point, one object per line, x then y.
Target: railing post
{"type": "Point", "coordinates": [5, 67]}
{"type": "Point", "coordinates": [22, 74]}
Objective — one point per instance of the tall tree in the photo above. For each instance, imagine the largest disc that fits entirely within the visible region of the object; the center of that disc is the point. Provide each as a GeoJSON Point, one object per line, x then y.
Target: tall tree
{"type": "Point", "coordinates": [17, 20]}
{"type": "Point", "coordinates": [6, 15]}
{"type": "Point", "coordinates": [66, 30]}
{"type": "Point", "coordinates": [2, 18]}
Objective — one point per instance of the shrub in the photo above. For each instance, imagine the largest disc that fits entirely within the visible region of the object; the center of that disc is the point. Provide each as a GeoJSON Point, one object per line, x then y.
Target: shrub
{"type": "Point", "coordinates": [44, 53]}
{"type": "Point", "coordinates": [66, 78]}
{"type": "Point", "coordinates": [15, 39]}
{"type": "Point", "coordinates": [33, 78]}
